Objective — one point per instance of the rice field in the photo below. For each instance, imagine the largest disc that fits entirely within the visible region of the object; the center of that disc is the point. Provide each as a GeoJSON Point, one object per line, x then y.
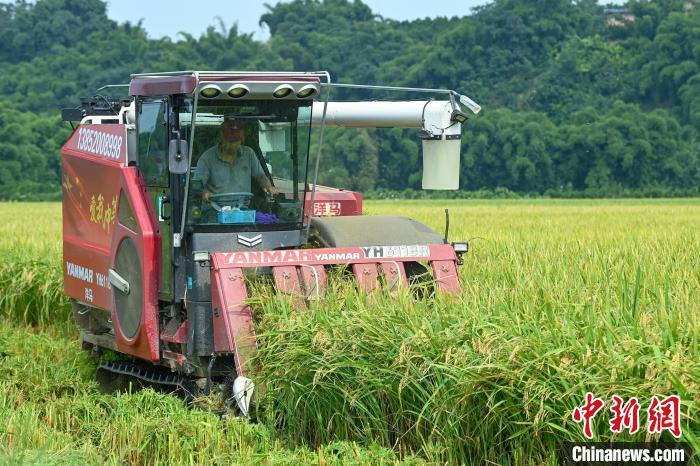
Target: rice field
{"type": "Point", "coordinates": [559, 298]}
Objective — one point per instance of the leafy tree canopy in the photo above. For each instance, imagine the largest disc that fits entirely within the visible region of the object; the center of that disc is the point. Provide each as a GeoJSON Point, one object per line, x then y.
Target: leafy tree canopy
{"type": "Point", "coordinates": [577, 97]}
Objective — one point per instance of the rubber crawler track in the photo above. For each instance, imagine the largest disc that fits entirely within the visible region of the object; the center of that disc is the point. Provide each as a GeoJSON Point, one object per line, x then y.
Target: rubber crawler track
{"type": "Point", "coordinates": [152, 375]}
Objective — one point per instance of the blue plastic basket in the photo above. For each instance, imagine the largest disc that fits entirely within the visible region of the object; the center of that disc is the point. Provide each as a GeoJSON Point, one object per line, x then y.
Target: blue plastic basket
{"type": "Point", "coordinates": [236, 216]}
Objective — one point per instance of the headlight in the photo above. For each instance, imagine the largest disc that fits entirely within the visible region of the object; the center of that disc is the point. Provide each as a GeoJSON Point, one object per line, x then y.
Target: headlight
{"type": "Point", "coordinates": [307, 91]}
{"type": "Point", "coordinates": [282, 91]}
{"type": "Point", "coordinates": [460, 247]}
{"type": "Point", "coordinates": [237, 91]}
{"type": "Point", "coordinates": [200, 256]}
{"type": "Point", "coordinates": [210, 92]}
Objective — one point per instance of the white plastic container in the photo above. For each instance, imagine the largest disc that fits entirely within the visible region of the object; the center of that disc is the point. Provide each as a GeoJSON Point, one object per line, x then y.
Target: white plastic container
{"type": "Point", "coordinates": [441, 163]}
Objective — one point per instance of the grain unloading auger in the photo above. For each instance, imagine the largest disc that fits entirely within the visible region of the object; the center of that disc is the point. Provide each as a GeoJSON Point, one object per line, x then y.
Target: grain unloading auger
{"type": "Point", "coordinates": [171, 197]}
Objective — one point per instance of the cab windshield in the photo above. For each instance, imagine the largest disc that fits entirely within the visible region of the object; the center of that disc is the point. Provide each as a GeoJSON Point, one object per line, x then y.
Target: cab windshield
{"type": "Point", "coordinates": [249, 164]}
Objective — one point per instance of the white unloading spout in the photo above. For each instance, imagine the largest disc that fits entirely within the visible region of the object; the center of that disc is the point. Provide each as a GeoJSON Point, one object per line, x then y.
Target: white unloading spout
{"type": "Point", "coordinates": [440, 123]}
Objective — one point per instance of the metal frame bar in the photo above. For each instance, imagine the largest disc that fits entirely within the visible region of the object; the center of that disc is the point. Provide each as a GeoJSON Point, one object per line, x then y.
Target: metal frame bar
{"type": "Point", "coordinates": [193, 122]}
{"type": "Point", "coordinates": [318, 159]}
{"type": "Point", "coordinates": [109, 86]}
{"type": "Point", "coordinates": [391, 88]}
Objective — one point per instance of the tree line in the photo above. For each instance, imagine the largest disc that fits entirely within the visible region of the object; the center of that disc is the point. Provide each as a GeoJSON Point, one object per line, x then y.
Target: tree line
{"type": "Point", "coordinates": [577, 97]}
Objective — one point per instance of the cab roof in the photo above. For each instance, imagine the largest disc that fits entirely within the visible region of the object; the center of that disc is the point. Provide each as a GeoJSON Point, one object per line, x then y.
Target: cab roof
{"type": "Point", "coordinates": [185, 82]}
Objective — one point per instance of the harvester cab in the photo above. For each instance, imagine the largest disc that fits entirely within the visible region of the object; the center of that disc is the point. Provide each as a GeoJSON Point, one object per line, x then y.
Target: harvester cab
{"type": "Point", "coordinates": [174, 197]}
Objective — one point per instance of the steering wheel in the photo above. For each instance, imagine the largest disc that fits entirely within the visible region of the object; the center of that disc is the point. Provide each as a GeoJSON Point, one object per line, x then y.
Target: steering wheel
{"type": "Point", "coordinates": [236, 200]}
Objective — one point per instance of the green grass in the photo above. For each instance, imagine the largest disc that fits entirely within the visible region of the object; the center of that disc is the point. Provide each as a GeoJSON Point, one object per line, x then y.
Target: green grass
{"type": "Point", "coordinates": [31, 274]}
{"type": "Point", "coordinates": [560, 297]}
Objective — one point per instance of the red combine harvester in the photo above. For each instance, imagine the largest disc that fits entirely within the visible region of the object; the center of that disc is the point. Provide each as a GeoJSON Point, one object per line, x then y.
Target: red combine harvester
{"type": "Point", "coordinates": [201, 178]}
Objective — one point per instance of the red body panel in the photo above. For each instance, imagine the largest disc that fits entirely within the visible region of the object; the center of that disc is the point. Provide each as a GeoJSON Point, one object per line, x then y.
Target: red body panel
{"type": "Point", "coordinates": [314, 280]}
{"type": "Point", "coordinates": [367, 275]}
{"type": "Point", "coordinates": [163, 85]}
{"type": "Point", "coordinates": [445, 272]}
{"type": "Point", "coordinates": [233, 319]}
{"type": "Point", "coordinates": [287, 279]}
{"type": "Point", "coordinates": [395, 275]}
{"type": "Point", "coordinates": [90, 203]}
{"type": "Point", "coordinates": [94, 177]}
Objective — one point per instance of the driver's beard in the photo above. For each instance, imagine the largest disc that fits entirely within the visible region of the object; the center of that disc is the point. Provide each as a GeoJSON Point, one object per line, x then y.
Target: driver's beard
{"type": "Point", "coordinates": [229, 148]}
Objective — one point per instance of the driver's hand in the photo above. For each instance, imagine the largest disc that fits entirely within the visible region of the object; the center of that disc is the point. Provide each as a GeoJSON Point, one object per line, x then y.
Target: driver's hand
{"type": "Point", "coordinates": [205, 195]}
{"type": "Point", "coordinates": [273, 190]}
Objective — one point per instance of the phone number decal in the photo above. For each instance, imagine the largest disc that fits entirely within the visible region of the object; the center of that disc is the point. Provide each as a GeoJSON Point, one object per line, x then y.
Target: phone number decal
{"type": "Point", "coordinates": [99, 143]}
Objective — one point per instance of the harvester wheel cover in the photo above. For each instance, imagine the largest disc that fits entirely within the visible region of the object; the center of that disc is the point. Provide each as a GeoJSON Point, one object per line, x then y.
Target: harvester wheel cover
{"type": "Point", "coordinates": [129, 307]}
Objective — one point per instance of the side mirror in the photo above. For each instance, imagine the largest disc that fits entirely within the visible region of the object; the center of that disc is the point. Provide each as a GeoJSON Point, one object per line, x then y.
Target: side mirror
{"type": "Point", "coordinates": [178, 156]}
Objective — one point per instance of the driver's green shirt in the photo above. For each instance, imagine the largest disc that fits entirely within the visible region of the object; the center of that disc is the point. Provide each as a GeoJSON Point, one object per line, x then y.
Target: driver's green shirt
{"type": "Point", "coordinates": [219, 176]}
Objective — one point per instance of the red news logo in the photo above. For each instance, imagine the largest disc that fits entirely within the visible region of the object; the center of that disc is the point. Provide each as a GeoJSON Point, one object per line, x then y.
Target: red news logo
{"type": "Point", "coordinates": [661, 414]}
{"type": "Point", "coordinates": [625, 416]}
{"type": "Point", "coordinates": [665, 415]}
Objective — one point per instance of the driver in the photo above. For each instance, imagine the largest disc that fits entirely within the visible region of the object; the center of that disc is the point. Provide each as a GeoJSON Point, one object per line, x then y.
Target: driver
{"type": "Point", "coordinates": [229, 166]}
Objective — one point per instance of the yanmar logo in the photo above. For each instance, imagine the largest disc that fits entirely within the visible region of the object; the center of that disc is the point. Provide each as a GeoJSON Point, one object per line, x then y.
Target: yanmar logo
{"type": "Point", "coordinates": [81, 273]}
{"type": "Point", "coordinates": [326, 256]}
{"type": "Point", "coordinates": [289, 257]}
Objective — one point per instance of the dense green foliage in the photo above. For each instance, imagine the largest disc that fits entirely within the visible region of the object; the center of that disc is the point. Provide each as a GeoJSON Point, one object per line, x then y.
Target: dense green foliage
{"type": "Point", "coordinates": [576, 100]}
